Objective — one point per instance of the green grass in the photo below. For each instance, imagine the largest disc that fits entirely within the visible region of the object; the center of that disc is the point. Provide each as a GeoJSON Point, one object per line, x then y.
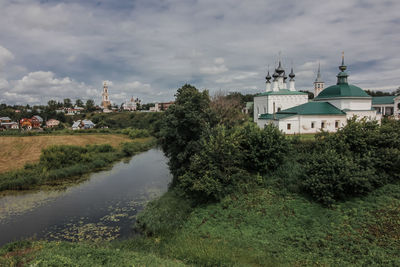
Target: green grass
{"type": "Point", "coordinates": [76, 254]}
{"type": "Point", "coordinates": [268, 227]}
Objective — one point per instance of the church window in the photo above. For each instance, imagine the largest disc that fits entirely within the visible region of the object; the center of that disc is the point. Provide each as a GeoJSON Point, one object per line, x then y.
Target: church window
{"type": "Point", "coordinates": [258, 110]}
{"type": "Point", "coordinates": [336, 124]}
{"type": "Point", "coordinates": [288, 126]}
{"type": "Point", "coordinates": [312, 125]}
{"type": "Point", "coordinates": [323, 125]}
{"type": "Point", "coordinates": [265, 110]}
{"type": "Point", "coordinates": [279, 109]}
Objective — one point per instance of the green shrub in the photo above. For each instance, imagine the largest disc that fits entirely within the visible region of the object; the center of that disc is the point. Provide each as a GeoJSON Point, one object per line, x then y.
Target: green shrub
{"type": "Point", "coordinates": [263, 150]}
{"type": "Point", "coordinates": [61, 156]}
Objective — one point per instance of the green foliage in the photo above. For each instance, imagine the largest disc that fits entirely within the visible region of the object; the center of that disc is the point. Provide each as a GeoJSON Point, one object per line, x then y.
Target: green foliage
{"type": "Point", "coordinates": [354, 161]}
{"type": "Point", "coordinates": [61, 156]}
{"type": "Point", "coordinates": [216, 169]}
{"type": "Point", "coordinates": [330, 176]}
{"type": "Point", "coordinates": [56, 254]}
{"type": "Point", "coordinates": [136, 133]}
{"type": "Point", "coordinates": [263, 150]}
{"type": "Point", "coordinates": [183, 126]}
{"type": "Point", "coordinates": [165, 215]}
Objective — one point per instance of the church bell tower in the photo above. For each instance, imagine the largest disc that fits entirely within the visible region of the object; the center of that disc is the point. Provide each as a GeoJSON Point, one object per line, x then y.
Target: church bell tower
{"type": "Point", "coordinates": [318, 84]}
{"type": "Point", "coordinates": [105, 103]}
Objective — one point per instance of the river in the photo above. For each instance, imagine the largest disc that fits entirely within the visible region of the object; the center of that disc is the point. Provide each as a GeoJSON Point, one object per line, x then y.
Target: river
{"type": "Point", "coordinates": [103, 207]}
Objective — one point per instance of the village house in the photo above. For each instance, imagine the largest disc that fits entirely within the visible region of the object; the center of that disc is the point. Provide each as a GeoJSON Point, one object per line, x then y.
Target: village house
{"type": "Point", "coordinates": [52, 123]}
{"type": "Point", "coordinates": [6, 123]}
{"type": "Point", "coordinates": [82, 124]}
{"type": "Point", "coordinates": [36, 121]}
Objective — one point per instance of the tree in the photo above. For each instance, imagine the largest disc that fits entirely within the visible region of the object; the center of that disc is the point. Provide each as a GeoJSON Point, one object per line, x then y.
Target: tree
{"type": "Point", "coordinates": [52, 105]}
{"type": "Point", "coordinates": [183, 126]}
{"type": "Point", "coordinates": [67, 103]}
{"type": "Point", "coordinates": [90, 105]}
{"type": "Point", "coordinates": [228, 109]}
{"type": "Point", "coordinates": [310, 94]}
{"type": "Point", "coordinates": [79, 103]}
{"type": "Point", "coordinates": [397, 92]}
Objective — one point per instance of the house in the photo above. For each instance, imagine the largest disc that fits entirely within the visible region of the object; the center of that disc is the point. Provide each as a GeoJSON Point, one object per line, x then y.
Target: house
{"type": "Point", "coordinates": [82, 124]}
{"type": "Point", "coordinates": [52, 123]}
{"type": "Point", "coordinates": [6, 123]}
{"type": "Point", "coordinates": [329, 111]}
{"type": "Point", "coordinates": [26, 123]}
{"type": "Point", "coordinates": [73, 111]}
{"type": "Point", "coordinates": [4, 119]}
{"type": "Point", "coordinates": [36, 121]}
{"type": "Point", "coordinates": [387, 105]}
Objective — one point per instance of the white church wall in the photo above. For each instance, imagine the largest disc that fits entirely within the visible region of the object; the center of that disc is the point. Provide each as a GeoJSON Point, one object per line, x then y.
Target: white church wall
{"type": "Point", "coordinates": [352, 104]}
{"type": "Point", "coordinates": [260, 104]}
{"type": "Point", "coordinates": [369, 114]}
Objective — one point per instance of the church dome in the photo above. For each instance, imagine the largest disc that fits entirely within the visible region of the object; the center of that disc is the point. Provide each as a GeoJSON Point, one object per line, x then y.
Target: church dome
{"type": "Point", "coordinates": [342, 90]}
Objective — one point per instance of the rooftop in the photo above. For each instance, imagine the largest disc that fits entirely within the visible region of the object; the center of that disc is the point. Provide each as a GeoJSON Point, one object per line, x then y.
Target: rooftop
{"type": "Point", "coordinates": [382, 100]}
{"type": "Point", "coordinates": [310, 108]}
{"type": "Point", "coordinates": [282, 92]}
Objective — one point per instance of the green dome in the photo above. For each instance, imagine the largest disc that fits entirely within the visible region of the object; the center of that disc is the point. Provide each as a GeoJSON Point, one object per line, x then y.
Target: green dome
{"type": "Point", "coordinates": [342, 90]}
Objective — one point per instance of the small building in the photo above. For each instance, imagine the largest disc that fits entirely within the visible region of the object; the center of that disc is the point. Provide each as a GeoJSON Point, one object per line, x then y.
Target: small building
{"type": "Point", "coordinates": [248, 107]}
{"type": "Point", "coordinates": [36, 121]}
{"type": "Point", "coordinates": [4, 119]}
{"type": "Point", "coordinates": [73, 111]}
{"type": "Point", "coordinates": [387, 105]}
{"type": "Point", "coordinates": [131, 105]}
{"type": "Point", "coordinates": [52, 123]}
{"type": "Point", "coordinates": [9, 125]}
{"type": "Point", "coordinates": [82, 124]}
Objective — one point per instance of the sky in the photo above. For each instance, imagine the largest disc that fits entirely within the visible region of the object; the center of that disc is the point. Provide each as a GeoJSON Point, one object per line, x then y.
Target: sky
{"type": "Point", "coordinates": [148, 49]}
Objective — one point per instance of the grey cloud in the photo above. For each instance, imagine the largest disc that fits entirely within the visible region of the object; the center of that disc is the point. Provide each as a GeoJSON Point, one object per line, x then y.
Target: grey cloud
{"type": "Point", "coordinates": [160, 44]}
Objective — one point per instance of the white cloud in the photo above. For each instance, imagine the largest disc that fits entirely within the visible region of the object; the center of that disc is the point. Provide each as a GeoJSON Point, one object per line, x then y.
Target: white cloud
{"type": "Point", "coordinates": [5, 56]}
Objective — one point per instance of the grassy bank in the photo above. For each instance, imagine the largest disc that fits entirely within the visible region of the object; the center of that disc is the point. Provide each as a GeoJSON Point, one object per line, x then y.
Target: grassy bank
{"type": "Point", "coordinates": [66, 162]}
{"type": "Point", "coordinates": [263, 227]}
{"type": "Point", "coordinates": [17, 151]}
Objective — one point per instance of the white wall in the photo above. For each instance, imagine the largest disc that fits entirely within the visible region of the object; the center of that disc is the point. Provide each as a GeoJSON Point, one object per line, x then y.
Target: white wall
{"type": "Point", "coordinates": [352, 104]}
{"type": "Point", "coordinates": [303, 124]}
{"type": "Point", "coordinates": [265, 104]}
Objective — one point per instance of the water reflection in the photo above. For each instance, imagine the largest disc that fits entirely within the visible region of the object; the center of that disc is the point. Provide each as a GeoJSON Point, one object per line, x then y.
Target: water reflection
{"type": "Point", "coordinates": [101, 208]}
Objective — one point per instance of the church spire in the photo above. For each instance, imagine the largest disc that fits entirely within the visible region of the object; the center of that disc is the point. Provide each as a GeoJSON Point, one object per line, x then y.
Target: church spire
{"type": "Point", "coordinates": [342, 76]}
{"type": "Point", "coordinates": [319, 79]}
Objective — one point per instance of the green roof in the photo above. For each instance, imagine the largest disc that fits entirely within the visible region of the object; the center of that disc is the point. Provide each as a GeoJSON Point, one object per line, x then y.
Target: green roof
{"type": "Point", "coordinates": [382, 100]}
{"type": "Point", "coordinates": [310, 108]}
{"type": "Point", "coordinates": [342, 90]}
{"type": "Point", "coordinates": [282, 92]}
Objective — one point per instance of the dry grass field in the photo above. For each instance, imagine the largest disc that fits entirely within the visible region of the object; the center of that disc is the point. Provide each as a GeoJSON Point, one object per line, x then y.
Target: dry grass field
{"type": "Point", "coordinates": [15, 152]}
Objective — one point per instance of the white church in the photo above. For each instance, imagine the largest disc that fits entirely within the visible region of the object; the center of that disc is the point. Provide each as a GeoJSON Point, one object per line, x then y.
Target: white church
{"type": "Point", "coordinates": [293, 113]}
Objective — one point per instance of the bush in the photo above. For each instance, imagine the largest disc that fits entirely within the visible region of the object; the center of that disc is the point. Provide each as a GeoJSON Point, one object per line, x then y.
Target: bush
{"type": "Point", "coordinates": [56, 157]}
{"type": "Point", "coordinates": [330, 176]}
{"type": "Point", "coordinates": [136, 133]}
{"type": "Point", "coordinates": [264, 150]}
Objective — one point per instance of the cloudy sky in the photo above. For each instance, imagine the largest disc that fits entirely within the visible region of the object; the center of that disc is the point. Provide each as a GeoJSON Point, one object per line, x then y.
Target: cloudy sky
{"type": "Point", "coordinates": [149, 48]}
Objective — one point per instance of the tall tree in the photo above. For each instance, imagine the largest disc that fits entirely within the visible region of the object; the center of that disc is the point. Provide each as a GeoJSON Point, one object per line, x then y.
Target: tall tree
{"type": "Point", "coordinates": [90, 105]}
{"type": "Point", "coordinates": [67, 103]}
{"type": "Point", "coordinates": [79, 103]}
{"type": "Point", "coordinates": [184, 124]}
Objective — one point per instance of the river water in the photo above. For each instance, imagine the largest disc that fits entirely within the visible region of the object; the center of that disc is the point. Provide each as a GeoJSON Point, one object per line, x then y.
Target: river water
{"type": "Point", "coordinates": [102, 207]}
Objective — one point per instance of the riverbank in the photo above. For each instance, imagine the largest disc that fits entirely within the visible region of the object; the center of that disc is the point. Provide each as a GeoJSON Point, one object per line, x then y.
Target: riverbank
{"type": "Point", "coordinates": [263, 227]}
{"type": "Point", "coordinates": [62, 164]}
{"type": "Point", "coordinates": [17, 151]}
